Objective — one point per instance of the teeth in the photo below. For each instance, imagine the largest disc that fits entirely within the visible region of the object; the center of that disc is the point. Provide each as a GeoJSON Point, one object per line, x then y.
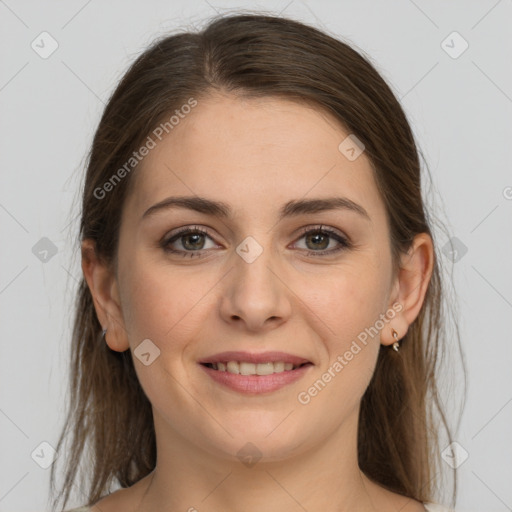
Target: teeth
{"type": "Point", "coordinates": [265, 368]}
{"type": "Point", "coordinates": [279, 367]}
{"type": "Point", "coordinates": [233, 367]}
{"type": "Point", "coordinates": [245, 368]}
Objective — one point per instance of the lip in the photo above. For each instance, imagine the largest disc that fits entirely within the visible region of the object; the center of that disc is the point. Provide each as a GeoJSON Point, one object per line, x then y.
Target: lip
{"type": "Point", "coordinates": [256, 384]}
{"type": "Point", "coordinates": [252, 357]}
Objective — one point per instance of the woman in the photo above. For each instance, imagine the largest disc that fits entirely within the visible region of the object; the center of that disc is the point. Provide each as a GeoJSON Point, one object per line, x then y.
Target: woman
{"type": "Point", "coordinates": [260, 315]}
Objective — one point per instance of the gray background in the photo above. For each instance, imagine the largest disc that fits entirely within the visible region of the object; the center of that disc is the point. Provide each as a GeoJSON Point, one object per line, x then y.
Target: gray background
{"type": "Point", "coordinates": [460, 109]}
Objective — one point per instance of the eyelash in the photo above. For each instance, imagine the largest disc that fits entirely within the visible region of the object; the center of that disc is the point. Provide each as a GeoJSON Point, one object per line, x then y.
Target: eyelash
{"type": "Point", "coordinates": [344, 243]}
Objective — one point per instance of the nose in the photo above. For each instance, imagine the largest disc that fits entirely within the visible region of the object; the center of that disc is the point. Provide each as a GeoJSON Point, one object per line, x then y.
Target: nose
{"type": "Point", "coordinates": [255, 295]}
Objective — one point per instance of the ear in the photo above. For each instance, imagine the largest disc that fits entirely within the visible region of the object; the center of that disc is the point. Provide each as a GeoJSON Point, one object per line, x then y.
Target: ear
{"type": "Point", "coordinates": [105, 294]}
{"type": "Point", "coordinates": [410, 286]}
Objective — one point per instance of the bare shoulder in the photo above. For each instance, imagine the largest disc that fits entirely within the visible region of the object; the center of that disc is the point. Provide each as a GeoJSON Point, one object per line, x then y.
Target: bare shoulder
{"type": "Point", "coordinates": [121, 500]}
{"type": "Point", "coordinates": [118, 500]}
{"type": "Point", "coordinates": [392, 501]}
{"type": "Point", "coordinates": [405, 504]}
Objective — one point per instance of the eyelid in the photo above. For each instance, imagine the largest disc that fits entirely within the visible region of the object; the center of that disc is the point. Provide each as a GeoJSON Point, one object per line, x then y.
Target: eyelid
{"type": "Point", "coordinates": [302, 231]}
{"type": "Point", "coordinates": [340, 237]}
{"type": "Point", "coordinates": [325, 228]}
{"type": "Point", "coordinates": [177, 234]}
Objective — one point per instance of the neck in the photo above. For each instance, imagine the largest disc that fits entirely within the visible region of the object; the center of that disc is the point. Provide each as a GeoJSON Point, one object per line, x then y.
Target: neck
{"type": "Point", "coordinates": [316, 478]}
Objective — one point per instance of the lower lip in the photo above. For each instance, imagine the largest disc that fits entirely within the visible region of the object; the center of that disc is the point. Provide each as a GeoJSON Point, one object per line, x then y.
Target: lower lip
{"type": "Point", "coordinates": [255, 384]}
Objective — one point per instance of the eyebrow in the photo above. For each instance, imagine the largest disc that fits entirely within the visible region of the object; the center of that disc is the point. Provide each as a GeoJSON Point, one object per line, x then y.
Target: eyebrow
{"type": "Point", "coordinates": [290, 209]}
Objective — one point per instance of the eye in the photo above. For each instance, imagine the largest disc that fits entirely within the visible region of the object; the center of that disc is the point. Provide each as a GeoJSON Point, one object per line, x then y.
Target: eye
{"type": "Point", "coordinates": [190, 239]}
{"type": "Point", "coordinates": [319, 238]}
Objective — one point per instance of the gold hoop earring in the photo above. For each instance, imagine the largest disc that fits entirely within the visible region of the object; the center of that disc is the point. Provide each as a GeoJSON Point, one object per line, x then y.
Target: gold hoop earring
{"type": "Point", "coordinates": [396, 345]}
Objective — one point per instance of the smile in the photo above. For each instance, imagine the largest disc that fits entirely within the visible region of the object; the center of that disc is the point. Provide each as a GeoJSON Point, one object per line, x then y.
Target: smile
{"type": "Point", "coordinates": [247, 368]}
{"type": "Point", "coordinates": [252, 378]}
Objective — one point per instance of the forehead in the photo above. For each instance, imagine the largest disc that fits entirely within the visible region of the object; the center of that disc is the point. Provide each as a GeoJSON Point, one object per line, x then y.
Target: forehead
{"type": "Point", "coordinates": [253, 153]}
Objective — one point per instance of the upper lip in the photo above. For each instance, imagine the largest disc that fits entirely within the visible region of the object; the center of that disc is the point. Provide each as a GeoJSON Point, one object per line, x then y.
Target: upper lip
{"type": "Point", "coordinates": [252, 357]}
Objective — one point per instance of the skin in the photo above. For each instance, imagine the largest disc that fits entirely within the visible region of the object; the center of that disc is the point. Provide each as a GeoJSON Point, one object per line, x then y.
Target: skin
{"type": "Point", "coordinates": [255, 155]}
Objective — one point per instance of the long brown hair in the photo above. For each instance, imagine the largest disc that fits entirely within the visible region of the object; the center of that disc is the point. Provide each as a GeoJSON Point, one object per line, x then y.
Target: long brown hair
{"type": "Point", "coordinates": [109, 417]}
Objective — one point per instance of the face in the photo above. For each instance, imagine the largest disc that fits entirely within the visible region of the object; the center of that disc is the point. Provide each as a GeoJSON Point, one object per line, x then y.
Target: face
{"type": "Point", "coordinates": [261, 279]}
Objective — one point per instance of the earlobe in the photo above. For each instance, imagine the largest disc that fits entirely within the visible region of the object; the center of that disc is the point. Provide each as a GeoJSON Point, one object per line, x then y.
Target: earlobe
{"type": "Point", "coordinates": [411, 285]}
{"type": "Point", "coordinates": [103, 288]}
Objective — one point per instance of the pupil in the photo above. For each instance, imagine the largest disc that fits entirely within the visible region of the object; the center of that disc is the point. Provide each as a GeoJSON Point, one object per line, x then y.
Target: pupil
{"type": "Point", "coordinates": [317, 236]}
{"type": "Point", "coordinates": [194, 246]}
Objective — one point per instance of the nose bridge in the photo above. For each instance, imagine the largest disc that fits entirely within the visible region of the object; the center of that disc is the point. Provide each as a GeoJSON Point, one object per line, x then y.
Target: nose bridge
{"type": "Point", "coordinates": [252, 273]}
{"type": "Point", "coordinates": [255, 292]}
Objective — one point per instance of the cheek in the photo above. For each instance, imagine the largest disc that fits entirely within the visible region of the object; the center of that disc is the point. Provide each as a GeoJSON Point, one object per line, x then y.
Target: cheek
{"type": "Point", "coordinates": [346, 307]}
{"type": "Point", "coordinates": [346, 301]}
{"type": "Point", "coordinates": [164, 307]}
{"type": "Point", "coordinates": [349, 348]}
{"type": "Point", "coordinates": [159, 303]}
